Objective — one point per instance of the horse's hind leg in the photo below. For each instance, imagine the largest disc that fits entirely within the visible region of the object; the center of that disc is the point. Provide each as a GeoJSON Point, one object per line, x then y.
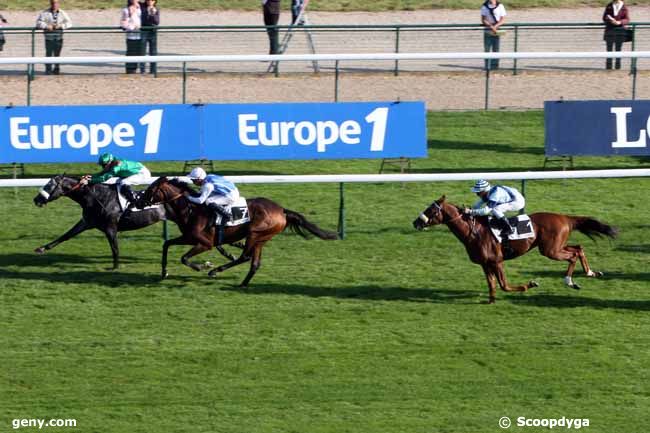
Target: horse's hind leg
{"type": "Point", "coordinates": [583, 261]}
{"type": "Point", "coordinates": [497, 268]}
{"type": "Point", "coordinates": [569, 254]}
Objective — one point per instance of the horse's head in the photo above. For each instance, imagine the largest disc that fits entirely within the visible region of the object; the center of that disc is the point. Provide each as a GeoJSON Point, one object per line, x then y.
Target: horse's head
{"type": "Point", "coordinates": [58, 186]}
{"type": "Point", "coordinates": [162, 190]}
{"type": "Point", "coordinates": [431, 216]}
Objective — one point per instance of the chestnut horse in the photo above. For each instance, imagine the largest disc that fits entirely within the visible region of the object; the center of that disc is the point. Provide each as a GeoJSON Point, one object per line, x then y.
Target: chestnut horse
{"type": "Point", "coordinates": [551, 235]}
{"type": "Point", "coordinates": [267, 219]}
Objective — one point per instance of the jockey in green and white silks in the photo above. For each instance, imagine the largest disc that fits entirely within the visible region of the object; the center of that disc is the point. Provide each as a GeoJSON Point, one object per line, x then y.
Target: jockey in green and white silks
{"type": "Point", "coordinates": [217, 192]}
{"type": "Point", "coordinates": [127, 173]}
{"type": "Point", "coordinates": [496, 201]}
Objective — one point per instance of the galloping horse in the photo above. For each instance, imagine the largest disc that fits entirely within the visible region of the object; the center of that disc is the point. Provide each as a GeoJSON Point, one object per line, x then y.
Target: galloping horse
{"type": "Point", "coordinates": [551, 234]}
{"type": "Point", "coordinates": [100, 210]}
{"type": "Point", "coordinates": [267, 219]}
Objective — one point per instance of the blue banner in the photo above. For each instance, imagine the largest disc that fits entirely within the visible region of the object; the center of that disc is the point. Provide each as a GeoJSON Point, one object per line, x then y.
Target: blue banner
{"type": "Point", "coordinates": [597, 127]}
{"type": "Point", "coordinates": [215, 132]}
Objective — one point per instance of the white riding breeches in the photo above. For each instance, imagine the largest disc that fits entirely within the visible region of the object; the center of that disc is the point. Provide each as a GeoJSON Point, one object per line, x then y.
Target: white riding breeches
{"type": "Point", "coordinates": [513, 206]}
{"type": "Point", "coordinates": [140, 178]}
{"type": "Point", "coordinates": [223, 200]}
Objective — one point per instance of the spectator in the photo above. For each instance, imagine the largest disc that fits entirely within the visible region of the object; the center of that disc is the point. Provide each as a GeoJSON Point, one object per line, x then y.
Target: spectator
{"type": "Point", "coordinates": [271, 18]}
{"type": "Point", "coordinates": [53, 21]}
{"type": "Point", "coordinates": [493, 15]}
{"type": "Point", "coordinates": [615, 17]}
{"type": "Point", "coordinates": [296, 8]}
{"type": "Point", "coordinates": [2, 35]}
{"type": "Point", "coordinates": [131, 22]}
{"type": "Point", "coordinates": [150, 20]}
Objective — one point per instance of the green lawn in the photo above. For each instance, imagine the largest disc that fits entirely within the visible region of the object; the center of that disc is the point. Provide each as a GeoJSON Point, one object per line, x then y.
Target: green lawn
{"type": "Point", "coordinates": [315, 5]}
{"type": "Point", "coordinates": [383, 332]}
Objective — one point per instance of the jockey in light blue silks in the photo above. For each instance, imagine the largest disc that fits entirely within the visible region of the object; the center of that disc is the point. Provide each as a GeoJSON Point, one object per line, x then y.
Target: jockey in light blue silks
{"type": "Point", "coordinates": [496, 201]}
{"type": "Point", "coordinates": [217, 193]}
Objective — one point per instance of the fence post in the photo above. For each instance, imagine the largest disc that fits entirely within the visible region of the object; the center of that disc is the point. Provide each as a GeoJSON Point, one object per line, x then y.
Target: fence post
{"type": "Point", "coordinates": [633, 63]}
{"type": "Point", "coordinates": [397, 50]}
{"type": "Point", "coordinates": [487, 85]}
{"type": "Point", "coordinates": [516, 47]}
{"type": "Point", "coordinates": [336, 81]}
{"type": "Point", "coordinates": [31, 67]}
{"type": "Point", "coordinates": [341, 225]}
{"type": "Point", "coordinates": [184, 82]}
{"type": "Point", "coordinates": [523, 192]}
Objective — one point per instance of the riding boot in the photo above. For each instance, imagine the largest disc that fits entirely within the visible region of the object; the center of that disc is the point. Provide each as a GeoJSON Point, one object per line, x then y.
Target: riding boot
{"type": "Point", "coordinates": [128, 193]}
{"type": "Point", "coordinates": [506, 228]}
{"type": "Point", "coordinates": [219, 210]}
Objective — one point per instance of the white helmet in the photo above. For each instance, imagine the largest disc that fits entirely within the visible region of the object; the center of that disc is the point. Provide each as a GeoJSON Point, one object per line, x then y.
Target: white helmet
{"type": "Point", "coordinates": [481, 185]}
{"type": "Point", "coordinates": [197, 173]}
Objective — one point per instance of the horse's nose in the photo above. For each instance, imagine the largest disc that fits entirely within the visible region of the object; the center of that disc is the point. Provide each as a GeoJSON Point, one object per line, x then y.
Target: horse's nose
{"type": "Point", "coordinates": [417, 224]}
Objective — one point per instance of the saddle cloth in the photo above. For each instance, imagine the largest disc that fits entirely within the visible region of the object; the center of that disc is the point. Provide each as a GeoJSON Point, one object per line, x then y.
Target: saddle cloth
{"type": "Point", "coordinates": [239, 212]}
{"type": "Point", "coordinates": [521, 225]}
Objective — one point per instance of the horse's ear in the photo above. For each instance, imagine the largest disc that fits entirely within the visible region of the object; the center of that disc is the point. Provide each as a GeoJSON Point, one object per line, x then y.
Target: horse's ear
{"type": "Point", "coordinates": [442, 199]}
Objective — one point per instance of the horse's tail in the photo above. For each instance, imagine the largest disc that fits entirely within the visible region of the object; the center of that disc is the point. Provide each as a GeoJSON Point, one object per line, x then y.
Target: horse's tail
{"type": "Point", "coordinates": [298, 223]}
{"type": "Point", "coordinates": [592, 227]}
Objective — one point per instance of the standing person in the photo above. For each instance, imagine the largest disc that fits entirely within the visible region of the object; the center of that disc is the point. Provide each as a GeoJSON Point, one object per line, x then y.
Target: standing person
{"type": "Point", "coordinates": [615, 17]}
{"type": "Point", "coordinates": [493, 15]}
{"type": "Point", "coordinates": [496, 201]}
{"type": "Point", "coordinates": [2, 35]}
{"type": "Point", "coordinates": [271, 17]}
{"type": "Point", "coordinates": [296, 8]}
{"type": "Point", "coordinates": [150, 20]}
{"type": "Point", "coordinates": [53, 21]}
{"type": "Point", "coordinates": [131, 22]}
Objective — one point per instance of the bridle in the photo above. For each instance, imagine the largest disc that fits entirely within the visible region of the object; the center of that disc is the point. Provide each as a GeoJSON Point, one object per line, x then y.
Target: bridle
{"type": "Point", "coordinates": [166, 200]}
{"type": "Point", "coordinates": [46, 195]}
{"type": "Point", "coordinates": [438, 210]}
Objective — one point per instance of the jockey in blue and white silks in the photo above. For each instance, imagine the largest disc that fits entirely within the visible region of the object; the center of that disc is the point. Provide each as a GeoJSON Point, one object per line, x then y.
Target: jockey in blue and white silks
{"type": "Point", "coordinates": [496, 201]}
{"type": "Point", "coordinates": [216, 192]}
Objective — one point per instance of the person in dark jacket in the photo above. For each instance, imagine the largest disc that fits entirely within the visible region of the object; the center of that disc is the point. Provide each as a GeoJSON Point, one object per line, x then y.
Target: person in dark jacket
{"type": "Point", "coordinates": [150, 20]}
{"type": "Point", "coordinates": [2, 35]}
{"type": "Point", "coordinates": [271, 17]}
{"type": "Point", "coordinates": [615, 17]}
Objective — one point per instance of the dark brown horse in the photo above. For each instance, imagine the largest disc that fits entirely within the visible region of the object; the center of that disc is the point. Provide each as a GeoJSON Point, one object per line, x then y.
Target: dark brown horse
{"type": "Point", "coordinates": [551, 235]}
{"type": "Point", "coordinates": [267, 219]}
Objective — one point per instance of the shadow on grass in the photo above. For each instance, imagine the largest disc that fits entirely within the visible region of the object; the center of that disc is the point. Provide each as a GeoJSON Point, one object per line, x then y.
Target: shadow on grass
{"type": "Point", "coordinates": [49, 259]}
{"type": "Point", "coordinates": [569, 301]}
{"type": "Point", "coordinates": [582, 279]}
{"type": "Point", "coordinates": [643, 248]}
{"type": "Point", "coordinates": [365, 292]}
{"type": "Point", "coordinates": [501, 148]}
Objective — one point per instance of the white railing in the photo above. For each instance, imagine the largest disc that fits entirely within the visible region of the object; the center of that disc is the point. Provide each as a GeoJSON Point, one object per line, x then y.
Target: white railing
{"type": "Point", "coordinates": [377, 178]}
{"type": "Point", "coordinates": [324, 57]}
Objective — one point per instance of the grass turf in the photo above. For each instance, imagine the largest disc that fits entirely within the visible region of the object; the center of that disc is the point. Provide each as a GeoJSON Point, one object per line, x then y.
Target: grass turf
{"type": "Point", "coordinates": [382, 332]}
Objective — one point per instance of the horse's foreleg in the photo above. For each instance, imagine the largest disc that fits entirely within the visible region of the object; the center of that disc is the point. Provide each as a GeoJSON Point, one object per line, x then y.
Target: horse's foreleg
{"type": "Point", "coordinates": [225, 253]}
{"type": "Point", "coordinates": [255, 264]}
{"type": "Point", "coordinates": [74, 231]}
{"type": "Point", "coordinates": [196, 249]}
{"type": "Point", "coordinates": [503, 281]}
{"type": "Point", "coordinates": [245, 256]}
{"type": "Point", "coordinates": [492, 285]}
{"type": "Point", "coordinates": [181, 240]}
{"type": "Point", "coordinates": [111, 236]}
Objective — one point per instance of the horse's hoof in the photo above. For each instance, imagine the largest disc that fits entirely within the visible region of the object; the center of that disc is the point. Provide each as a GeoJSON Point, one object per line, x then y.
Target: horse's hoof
{"type": "Point", "coordinates": [164, 275]}
{"type": "Point", "coordinates": [532, 284]}
{"type": "Point", "coordinates": [212, 273]}
{"type": "Point", "coordinates": [492, 300]}
{"type": "Point", "coordinates": [208, 265]}
{"type": "Point", "coordinates": [575, 286]}
{"type": "Point", "coordinates": [40, 250]}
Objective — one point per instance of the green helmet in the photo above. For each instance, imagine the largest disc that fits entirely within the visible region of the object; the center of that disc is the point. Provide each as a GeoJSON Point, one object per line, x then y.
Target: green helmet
{"type": "Point", "coordinates": [105, 159]}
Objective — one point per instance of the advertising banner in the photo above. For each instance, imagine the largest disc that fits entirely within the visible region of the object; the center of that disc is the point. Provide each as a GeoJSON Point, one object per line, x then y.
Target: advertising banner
{"type": "Point", "coordinates": [597, 128]}
{"type": "Point", "coordinates": [214, 132]}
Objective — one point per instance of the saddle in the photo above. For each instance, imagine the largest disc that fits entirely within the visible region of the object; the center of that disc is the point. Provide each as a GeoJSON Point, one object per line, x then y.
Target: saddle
{"type": "Point", "coordinates": [521, 225]}
{"type": "Point", "coordinates": [124, 202]}
{"type": "Point", "coordinates": [239, 212]}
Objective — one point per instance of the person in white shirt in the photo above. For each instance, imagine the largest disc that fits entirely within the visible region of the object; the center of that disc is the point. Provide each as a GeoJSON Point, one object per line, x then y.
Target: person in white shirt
{"type": "Point", "coordinates": [53, 21]}
{"type": "Point", "coordinates": [131, 22]}
{"type": "Point", "coordinates": [496, 201]}
{"type": "Point", "coordinates": [493, 15]}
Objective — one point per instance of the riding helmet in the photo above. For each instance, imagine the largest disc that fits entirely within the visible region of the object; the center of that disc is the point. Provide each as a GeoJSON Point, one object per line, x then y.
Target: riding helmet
{"type": "Point", "coordinates": [481, 185]}
{"type": "Point", "coordinates": [106, 158]}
